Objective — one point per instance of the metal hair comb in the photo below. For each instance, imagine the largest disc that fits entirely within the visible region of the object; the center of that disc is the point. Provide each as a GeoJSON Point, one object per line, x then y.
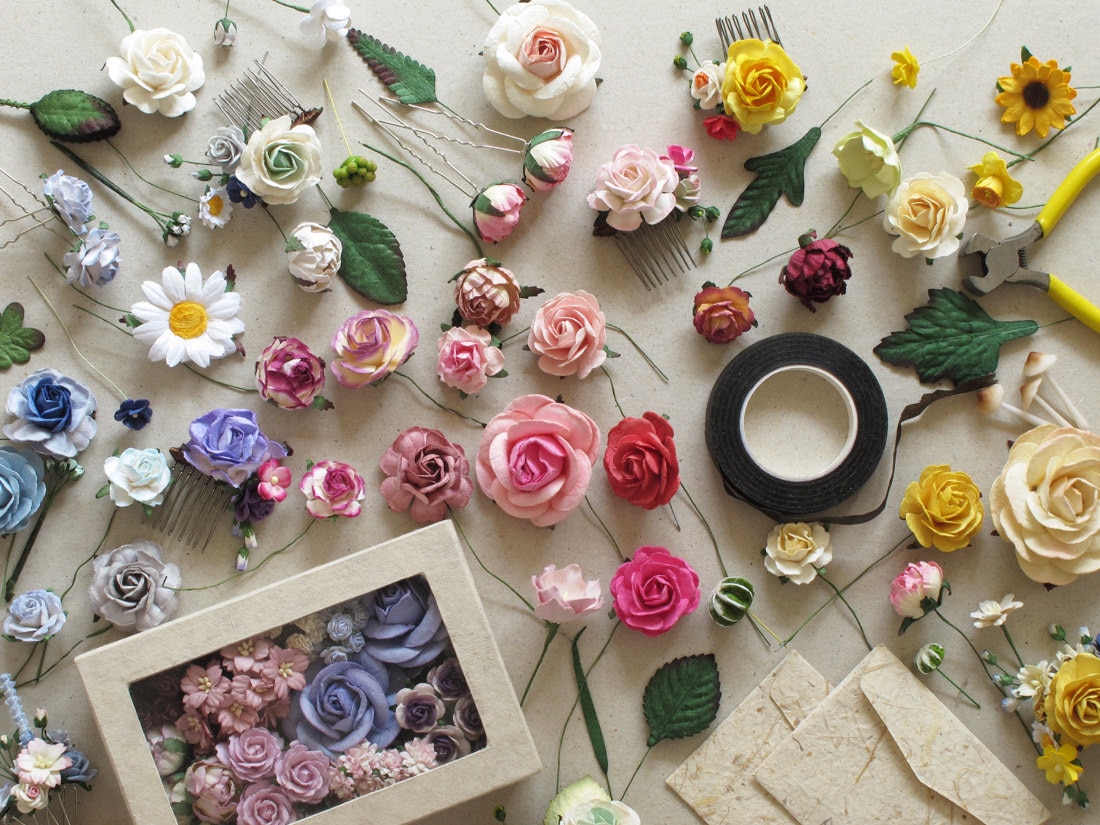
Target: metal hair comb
{"type": "Point", "coordinates": [656, 252]}
{"type": "Point", "coordinates": [732, 29]}
{"type": "Point", "coordinates": [192, 505]}
{"type": "Point", "coordinates": [260, 96]}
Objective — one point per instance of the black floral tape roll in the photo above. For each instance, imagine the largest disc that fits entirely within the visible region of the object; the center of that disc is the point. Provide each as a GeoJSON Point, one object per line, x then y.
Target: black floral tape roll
{"type": "Point", "coordinates": [790, 495]}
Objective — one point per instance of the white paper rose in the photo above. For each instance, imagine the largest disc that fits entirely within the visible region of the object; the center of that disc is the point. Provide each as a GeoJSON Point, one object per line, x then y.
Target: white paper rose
{"type": "Point", "coordinates": [327, 20]}
{"type": "Point", "coordinates": [133, 587]}
{"type": "Point", "coordinates": [636, 185]}
{"type": "Point", "coordinates": [706, 84]}
{"type": "Point", "coordinates": [1046, 501]}
{"type": "Point", "coordinates": [157, 72]}
{"type": "Point", "coordinates": [869, 161]}
{"type": "Point", "coordinates": [541, 60]}
{"type": "Point", "coordinates": [139, 476]}
{"type": "Point", "coordinates": [314, 256]}
{"type": "Point", "coordinates": [927, 213]}
{"type": "Point", "coordinates": [280, 161]}
{"type": "Point", "coordinates": [601, 812]}
{"type": "Point", "coordinates": [797, 549]}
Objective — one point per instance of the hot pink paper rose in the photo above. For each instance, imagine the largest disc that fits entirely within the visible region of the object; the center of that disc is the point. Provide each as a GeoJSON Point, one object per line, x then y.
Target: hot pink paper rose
{"type": "Point", "coordinates": [568, 334]}
{"type": "Point", "coordinates": [427, 474]}
{"type": "Point", "coordinates": [653, 590]}
{"type": "Point", "coordinates": [496, 210]}
{"type": "Point", "coordinates": [535, 459]}
{"type": "Point", "coordinates": [467, 358]}
{"type": "Point", "coordinates": [332, 488]}
{"type": "Point", "coordinates": [370, 345]}
{"type": "Point", "coordinates": [917, 582]}
{"type": "Point", "coordinates": [564, 595]}
{"type": "Point", "coordinates": [289, 375]}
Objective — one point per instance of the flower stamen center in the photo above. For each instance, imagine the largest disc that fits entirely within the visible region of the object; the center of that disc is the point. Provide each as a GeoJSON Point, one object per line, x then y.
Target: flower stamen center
{"type": "Point", "coordinates": [1036, 94]}
{"type": "Point", "coordinates": [188, 319]}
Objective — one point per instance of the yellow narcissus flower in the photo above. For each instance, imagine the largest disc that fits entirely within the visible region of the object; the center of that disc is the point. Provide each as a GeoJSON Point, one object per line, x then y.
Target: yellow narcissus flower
{"type": "Point", "coordinates": [943, 508]}
{"type": "Point", "coordinates": [995, 187]}
{"type": "Point", "coordinates": [1036, 96]}
{"type": "Point", "coordinates": [906, 68]}
{"type": "Point", "coordinates": [1058, 764]}
{"type": "Point", "coordinates": [762, 85]}
{"type": "Point", "coordinates": [1072, 701]}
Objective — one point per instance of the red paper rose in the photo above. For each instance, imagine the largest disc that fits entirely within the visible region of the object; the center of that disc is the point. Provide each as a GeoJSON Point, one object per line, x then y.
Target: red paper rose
{"type": "Point", "coordinates": [653, 590]}
{"type": "Point", "coordinates": [640, 461]}
{"type": "Point", "coordinates": [722, 127]}
{"type": "Point", "coordinates": [817, 271]}
{"type": "Point", "coordinates": [722, 313]}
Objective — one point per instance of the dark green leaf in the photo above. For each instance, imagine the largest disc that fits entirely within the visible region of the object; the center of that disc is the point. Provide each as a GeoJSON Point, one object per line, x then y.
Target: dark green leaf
{"type": "Point", "coordinates": [950, 337]}
{"type": "Point", "coordinates": [372, 262]}
{"type": "Point", "coordinates": [588, 708]}
{"type": "Point", "coordinates": [780, 173]}
{"type": "Point", "coordinates": [412, 82]}
{"type": "Point", "coordinates": [75, 116]}
{"type": "Point", "coordinates": [17, 342]}
{"type": "Point", "coordinates": [682, 698]}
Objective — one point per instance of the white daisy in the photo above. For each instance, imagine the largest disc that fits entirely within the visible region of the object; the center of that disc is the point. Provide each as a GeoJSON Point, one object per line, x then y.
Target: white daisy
{"type": "Point", "coordinates": [215, 209]}
{"type": "Point", "coordinates": [993, 614]}
{"type": "Point", "coordinates": [188, 319]}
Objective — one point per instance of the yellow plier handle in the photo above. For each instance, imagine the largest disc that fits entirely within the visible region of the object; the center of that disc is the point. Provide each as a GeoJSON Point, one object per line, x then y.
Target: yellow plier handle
{"type": "Point", "coordinates": [1067, 193]}
{"type": "Point", "coordinates": [1074, 303]}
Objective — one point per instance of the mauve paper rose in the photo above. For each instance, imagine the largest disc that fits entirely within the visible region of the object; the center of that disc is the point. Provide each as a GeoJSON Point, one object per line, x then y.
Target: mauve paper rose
{"type": "Point", "coordinates": [722, 314]}
{"type": "Point", "coordinates": [228, 445]}
{"type": "Point", "coordinates": [467, 358]}
{"type": "Point", "coordinates": [467, 718]}
{"type": "Point", "coordinates": [653, 590]}
{"type": "Point", "coordinates": [448, 680]}
{"type": "Point", "coordinates": [564, 595]}
{"type": "Point", "coordinates": [265, 803]}
{"type": "Point", "coordinates": [547, 159]}
{"type": "Point", "coordinates": [486, 293]}
{"type": "Point", "coordinates": [280, 161]}
{"type": "Point", "coordinates": [568, 334]}
{"type": "Point", "coordinates": [636, 185]}
{"type": "Point", "coordinates": [71, 199]}
{"type": "Point", "coordinates": [796, 550]}
{"type": "Point", "coordinates": [640, 461]}
{"type": "Point", "coordinates": [405, 627]}
{"type": "Point", "coordinates": [95, 261]}
{"type": "Point", "coordinates": [214, 790]}
{"type": "Point", "coordinates": [914, 586]}
{"type": "Point", "coordinates": [22, 487]}
{"type": "Point", "coordinates": [816, 271]}
{"type": "Point", "coordinates": [157, 72]}
{"type": "Point", "coordinates": [541, 60]}
{"type": "Point", "coordinates": [535, 459]}
{"type": "Point", "coordinates": [418, 708]}
{"type": "Point", "coordinates": [426, 474]}
{"type": "Point", "coordinates": [55, 414]}
{"type": "Point", "coordinates": [869, 161]}
{"type": "Point", "coordinates": [289, 375]}
{"type": "Point", "coordinates": [133, 587]}
{"type": "Point", "coordinates": [139, 476]}
{"type": "Point", "coordinates": [314, 256]}
{"type": "Point", "coordinates": [34, 616]}
{"type": "Point", "coordinates": [370, 345]}
{"type": "Point", "coordinates": [332, 488]}
{"type": "Point", "coordinates": [251, 754]}
{"type": "Point", "coordinates": [302, 773]}
{"type": "Point", "coordinates": [762, 85]}
{"type": "Point", "coordinates": [343, 705]}
{"type": "Point", "coordinates": [450, 743]}
{"type": "Point", "coordinates": [496, 211]}
{"type": "Point", "coordinates": [927, 213]}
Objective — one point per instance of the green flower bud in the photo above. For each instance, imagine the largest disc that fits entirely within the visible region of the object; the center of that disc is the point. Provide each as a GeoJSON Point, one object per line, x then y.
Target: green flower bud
{"type": "Point", "coordinates": [929, 658]}
{"type": "Point", "coordinates": [687, 38]}
{"type": "Point", "coordinates": [679, 62]}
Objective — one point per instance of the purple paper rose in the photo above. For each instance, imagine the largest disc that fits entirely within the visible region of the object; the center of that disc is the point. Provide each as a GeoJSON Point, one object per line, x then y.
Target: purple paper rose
{"type": "Point", "coordinates": [55, 414]}
{"type": "Point", "coordinates": [449, 742]}
{"type": "Point", "coordinates": [265, 803]}
{"type": "Point", "coordinates": [303, 774]}
{"type": "Point", "coordinates": [228, 445]}
{"type": "Point", "coordinates": [405, 627]}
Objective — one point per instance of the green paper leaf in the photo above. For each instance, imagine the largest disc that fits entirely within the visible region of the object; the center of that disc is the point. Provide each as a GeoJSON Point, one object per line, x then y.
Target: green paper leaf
{"type": "Point", "coordinates": [682, 698]}
{"type": "Point", "coordinates": [588, 708]}
{"type": "Point", "coordinates": [75, 116]}
{"type": "Point", "coordinates": [412, 82]}
{"type": "Point", "coordinates": [372, 262]}
{"type": "Point", "coordinates": [17, 342]}
{"type": "Point", "coordinates": [780, 173]}
{"type": "Point", "coordinates": [950, 337]}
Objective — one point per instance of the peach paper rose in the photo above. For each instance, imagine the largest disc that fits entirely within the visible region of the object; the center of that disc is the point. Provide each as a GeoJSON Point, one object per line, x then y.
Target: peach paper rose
{"type": "Point", "coordinates": [1072, 700]}
{"type": "Point", "coordinates": [536, 457]}
{"type": "Point", "coordinates": [721, 313]}
{"type": "Point", "coordinates": [467, 358]}
{"type": "Point", "coordinates": [568, 334]}
{"type": "Point", "coordinates": [927, 213]}
{"type": "Point", "coordinates": [487, 293]}
{"type": "Point", "coordinates": [943, 508]}
{"type": "Point", "coordinates": [762, 85]}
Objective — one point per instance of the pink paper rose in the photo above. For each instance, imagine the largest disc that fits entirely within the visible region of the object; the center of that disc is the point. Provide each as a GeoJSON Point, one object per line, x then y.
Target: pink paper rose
{"type": "Point", "coordinates": [214, 789]}
{"type": "Point", "coordinates": [265, 803]}
{"type": "Point", "coordinates": [496, 211]}
{"type": "Point", "coordinates": [370, 345]}
{"type": "Point", "coordinates": [303, 774]}
{"type": "Point", "coordinates": [427, 474]}
{"type": "Point", "coordinates": [653, 590]}
{"type": "Point", "coordinates": [332, 488]}
{"type": "Point", "coordinates": [917, 582]}
{"type": "Point", "coordinates": [289, 375]}
{"type": "Point", "coordinates": [564, 595]}
{"type": "Point", "coordinates": [467, 358]}
{"type": "Point", "coordinates": [636, 185]}
{"type": "Point", "coordinates": [535, 459]}
{"type": "Point", "coordinates": [568, 334]}
{"type": "Point", "coordinates": [486, 293]}
{"type": "Point", "coordinates": [251, 755]}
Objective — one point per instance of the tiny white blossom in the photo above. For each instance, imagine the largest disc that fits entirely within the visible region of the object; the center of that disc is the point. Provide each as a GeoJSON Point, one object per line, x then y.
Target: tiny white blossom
{"type": "Point", "coordinates": [994, 614]}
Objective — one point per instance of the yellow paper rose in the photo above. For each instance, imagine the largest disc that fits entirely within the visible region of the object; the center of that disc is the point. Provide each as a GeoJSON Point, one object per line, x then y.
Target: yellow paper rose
{"type": "Point", "coordinates": [906, 68]}
{"type": "Point", "coordinates": [1072, 701]}
{"type": "Point", "coordinates": [762, 84]}
{"type": "Point", "coordinates": [943, 508]}
{"type": "Point", "coordinates": [995, 187]}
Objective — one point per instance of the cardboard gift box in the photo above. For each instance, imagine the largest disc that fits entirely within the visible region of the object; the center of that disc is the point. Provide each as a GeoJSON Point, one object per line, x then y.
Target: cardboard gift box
{"type": "Point", "coordinates": [432, 555]}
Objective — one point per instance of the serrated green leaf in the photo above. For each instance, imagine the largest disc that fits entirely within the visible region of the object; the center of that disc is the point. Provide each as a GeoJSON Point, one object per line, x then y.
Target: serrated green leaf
{"type": "Point", "coordinates": [780, 173]}
{"type": "Point", "coordinates": [75, 116]}
{"type": "Point", "coordinates": [682, 698]}
{"type": "Point", "coordinates": [17, 342]}
{"type": "Point", "coordinates": [950, 337]}
{"type": "Point", "coordinates": [411, 81]}
{"type": "Point", "coordinates": [588, 709]}
{"type": "Point", "coordinates": [372, 263]}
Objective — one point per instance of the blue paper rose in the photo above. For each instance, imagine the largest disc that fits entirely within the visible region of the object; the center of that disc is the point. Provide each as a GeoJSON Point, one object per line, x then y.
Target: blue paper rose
{"type": "Point", "coordinates": [228, 445]}
{"type": "Point", "coordinates": [34, 616]}
{"type": "Point", "coordinates": [21, 487]}
{"type": "Point", "coordinates": [55, 414]}
{"type": "Point", "coordinates": [405, 627]}
{"type": "Point", "coordinates": [80, 770]}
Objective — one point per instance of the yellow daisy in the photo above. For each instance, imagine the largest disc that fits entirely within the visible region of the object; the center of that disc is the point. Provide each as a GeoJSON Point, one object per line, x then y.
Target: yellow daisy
{"type": "Point", "coordinates": [906, 68]}
{"type": "Point", "coordinates": [995, 187]}
{"type": "Point", "coordinates": [1036, 96]}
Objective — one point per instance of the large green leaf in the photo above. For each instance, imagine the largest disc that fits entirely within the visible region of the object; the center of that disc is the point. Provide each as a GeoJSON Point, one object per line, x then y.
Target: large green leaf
{"type": "Point", "coordinates": [950, 337]}
{"type": "Point", "coordinates": [75, 116]}
{"type": "Point", "coordinates": [780, 173]}
{"type": "Point", "coordinates": [682, 698]}
{"type": "Point", "coordinates": [412, 82]}
{"type": "Point", "coordinates": [372, 262]}
{"type": "Point", "coordinates": [17, 342]}
{"type": "Point", "coordinates": [588, 708]}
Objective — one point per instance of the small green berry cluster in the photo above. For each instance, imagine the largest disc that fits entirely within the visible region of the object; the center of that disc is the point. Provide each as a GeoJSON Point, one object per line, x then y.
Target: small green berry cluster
{"type": "Point", "coordinates": [354, 171]}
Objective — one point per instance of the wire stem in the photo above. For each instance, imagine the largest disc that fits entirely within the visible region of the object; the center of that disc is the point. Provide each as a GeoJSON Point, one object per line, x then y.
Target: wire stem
{"type": "Point", "coordinates": [125, 16]}
{"type": "Point", "coordinates": [607, 532]}
{"type": "Point", "coordinates": [644, 354]}
{"type": "Point", "coordinates": [477, 558]}
{"type": "Point", "coordinates": [614, 395]}
{"type": "Point", "coordinates": [863, 86]}
{"type": "Point", "coordinates": [552, 629]}
{"type": "Point", "coordinates": [444, 407]}
{"type": "Point", "coordinates": [955, 684]}
{"type": "Point", "coordinates": [821, 575]}
{"type": "Point", "coordinates": [145, 180]}
{"type": "Point", "coordinates": [254, 568]}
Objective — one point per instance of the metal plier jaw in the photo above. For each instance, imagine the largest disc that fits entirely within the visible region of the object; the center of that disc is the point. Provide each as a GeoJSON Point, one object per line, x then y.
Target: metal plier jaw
{"type": "Point", "coordinates": [1004, 261]}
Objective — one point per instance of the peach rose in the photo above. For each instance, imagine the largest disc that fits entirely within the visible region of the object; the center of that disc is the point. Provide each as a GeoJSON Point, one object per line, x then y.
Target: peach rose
{"type": "Point", "coordinates": [721, 313]}
{"type": "Point", "coordinates": [927, 213]}
{"type": "Point", "coordinates": [568, 334]}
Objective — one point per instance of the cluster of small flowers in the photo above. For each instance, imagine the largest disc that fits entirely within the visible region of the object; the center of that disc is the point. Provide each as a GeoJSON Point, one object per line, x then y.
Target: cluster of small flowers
{"type": "Point", "coordinates": [95, 259]}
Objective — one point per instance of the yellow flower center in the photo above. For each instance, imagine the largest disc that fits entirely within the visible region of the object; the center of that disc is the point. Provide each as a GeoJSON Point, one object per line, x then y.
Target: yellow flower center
{"type": "Point", "coordinates": [187, 319]}
{"type": "Point", "coordinates": [214, 205]}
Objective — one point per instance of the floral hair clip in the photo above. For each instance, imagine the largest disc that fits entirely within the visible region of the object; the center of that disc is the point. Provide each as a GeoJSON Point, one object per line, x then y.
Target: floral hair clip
{"type": "Point", "coordinates": [258, 96]}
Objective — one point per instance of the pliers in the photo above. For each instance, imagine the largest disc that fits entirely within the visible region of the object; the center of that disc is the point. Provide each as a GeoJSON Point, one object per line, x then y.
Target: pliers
{"type": "Point", "coordinates": [1006, 260]}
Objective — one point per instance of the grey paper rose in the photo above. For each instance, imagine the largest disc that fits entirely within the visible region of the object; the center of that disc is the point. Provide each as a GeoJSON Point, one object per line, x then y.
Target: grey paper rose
{"type": "Point", "coordinates": [133, 587]}
{"type": "Point", "coordinates": [34, 616]}
{"type": "Point", "coordinates": [225, 147]}
{"type": "Point", "coordinates": [405, 627]}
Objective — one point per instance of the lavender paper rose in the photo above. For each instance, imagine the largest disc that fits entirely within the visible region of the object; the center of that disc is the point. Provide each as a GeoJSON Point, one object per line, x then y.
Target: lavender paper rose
{"type": "Point", "coordinates": [229, 446]}
{"type": "Point", "coordinates": [405, 627]}
{"type": "Point", "coordinates": [34, 616]}
{"type": "Point", "coordinates": [55, 414]}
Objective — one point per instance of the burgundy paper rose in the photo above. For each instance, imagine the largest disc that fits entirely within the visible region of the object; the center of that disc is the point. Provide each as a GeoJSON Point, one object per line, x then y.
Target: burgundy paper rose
{"type": "Point", "coordinates": [722, 314]}
{"type": "Point", "coordinates": [289, 375]}
{"type": "Point", "coordinates": [653, 590]}
{"type": "Point", "coordinates": [640, 461]}
{"type": "Point", "coordinates": [817, 271]}
{"type": "Point", "coordinates": [427, 473]}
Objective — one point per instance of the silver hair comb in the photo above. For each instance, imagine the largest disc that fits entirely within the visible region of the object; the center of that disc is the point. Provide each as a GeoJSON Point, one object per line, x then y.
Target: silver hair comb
{"type": "Point", "coordinates": [656, 252]}
{"type": "Point", "coordinates": [732, 29]}
{"type": "Point", "coordinates": [192, 506]}
{"type": "Point", "coordinates": [258, 96]}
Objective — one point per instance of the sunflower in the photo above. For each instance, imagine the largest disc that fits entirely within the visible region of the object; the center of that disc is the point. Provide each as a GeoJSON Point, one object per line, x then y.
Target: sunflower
{"type": "Point", "coordinates": [188, 319]}
{"type": "Point", "coordinates": [1036, 96]}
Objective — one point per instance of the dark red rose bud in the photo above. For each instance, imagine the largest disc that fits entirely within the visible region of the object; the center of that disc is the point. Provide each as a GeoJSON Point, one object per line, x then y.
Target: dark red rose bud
{"type": "Point", "coordinates": [817, 271]}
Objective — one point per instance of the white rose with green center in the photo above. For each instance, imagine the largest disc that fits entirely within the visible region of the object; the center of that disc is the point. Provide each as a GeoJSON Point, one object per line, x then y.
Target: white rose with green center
{"type": "Point", "coordinates": [280, 161]}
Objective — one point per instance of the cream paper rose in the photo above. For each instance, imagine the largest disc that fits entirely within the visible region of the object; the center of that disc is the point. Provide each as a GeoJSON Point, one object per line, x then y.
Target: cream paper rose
{"type": "Point", "coordinates": [706, 84]}
{"type": "Point", "coordinates": [157, 72]}
{"type": "Point", "coordinates": [869, 161]}
{"type": "Point", "coordinates": [541, 60]}
{"type": "Point", "coordinates": [1046, 501]}
{"type": "Point", "coordinates": [314, 256]}
{"type": "Point", "coordinates": [796, 550]}
{"type": "Point", "coordinates": [927, 213]}
{"type": "Point", "coordinates": [280, 161]}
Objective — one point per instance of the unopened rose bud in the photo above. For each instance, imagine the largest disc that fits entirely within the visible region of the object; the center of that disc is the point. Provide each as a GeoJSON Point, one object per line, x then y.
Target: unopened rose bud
{"type": "Point", "coordinates": [174, 160]}
{"type": "Point", "coordinates": [225, 32]}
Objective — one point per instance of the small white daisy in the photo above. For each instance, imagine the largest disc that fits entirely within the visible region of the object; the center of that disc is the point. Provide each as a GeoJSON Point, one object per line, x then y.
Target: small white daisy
{"type": "Point", "coordinates": [993, 614]}
{"type": "Point", "coordinates": [215, 210]}
{"type": "Point", "coordinates": [188, 319]}
{"type": "Point", "coordinates": [1032, 678]}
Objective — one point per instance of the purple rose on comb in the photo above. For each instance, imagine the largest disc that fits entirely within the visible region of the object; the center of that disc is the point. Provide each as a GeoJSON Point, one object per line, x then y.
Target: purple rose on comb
{"type": "Point", "coordinates": [229, 446]}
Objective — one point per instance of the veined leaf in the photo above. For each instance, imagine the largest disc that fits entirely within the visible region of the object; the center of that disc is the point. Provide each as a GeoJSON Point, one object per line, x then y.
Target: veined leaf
{"type": "Point", "coordinates": [372, 263]}
{"type": "Point", "coordinates": [17, 342]}
{"type": "Point", "coordinates": [411, 81]}
{"type": "Point", "coordinates": [682, 698]}
{"type": "Point", "coordinates": [75, 116]}
{"type": "Point", "coordinates": [780, 173]}
{"type": "Point", "coordinates": [950, 337]}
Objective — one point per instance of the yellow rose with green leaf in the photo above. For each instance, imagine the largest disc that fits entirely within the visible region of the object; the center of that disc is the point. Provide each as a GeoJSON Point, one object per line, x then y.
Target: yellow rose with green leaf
{"type": "Point", "coordinates": [1072, 701]}
{"type": "Point", "coordinates": [943, 508]}
{"type": "Point", "coordinates": [762, 85]}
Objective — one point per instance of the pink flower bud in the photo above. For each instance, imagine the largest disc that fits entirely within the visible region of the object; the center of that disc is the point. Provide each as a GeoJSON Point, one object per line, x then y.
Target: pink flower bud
{"type": "Point", "coordinates": [496, 211]}
{"type": "Point", "coordinates": [547, 159]}
{"type": "Point", "coordinates": [917, 582]}
{"type": "Point", "coordinates": [564, 595]}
